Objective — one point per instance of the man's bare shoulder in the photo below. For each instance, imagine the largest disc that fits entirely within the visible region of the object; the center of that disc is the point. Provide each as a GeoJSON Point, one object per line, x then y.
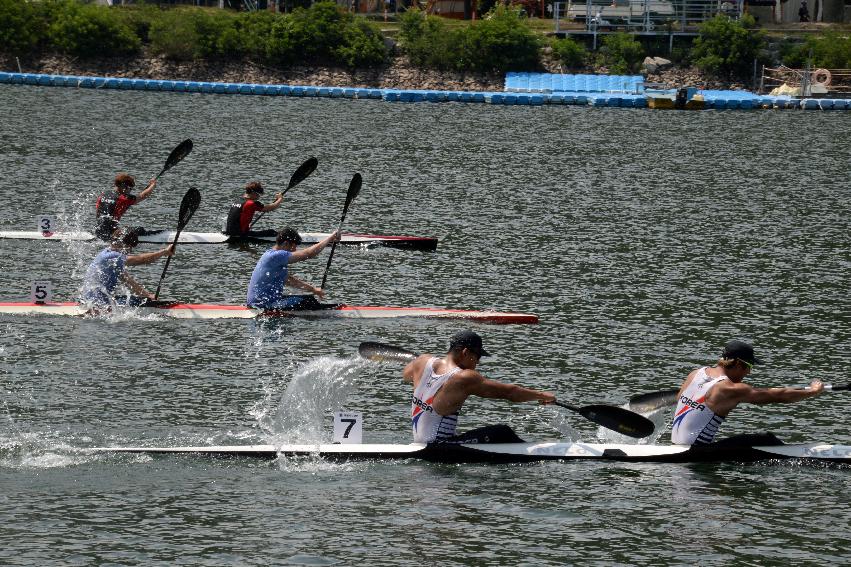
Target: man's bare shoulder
{"type": "Point", "coordinates": [467, 377]}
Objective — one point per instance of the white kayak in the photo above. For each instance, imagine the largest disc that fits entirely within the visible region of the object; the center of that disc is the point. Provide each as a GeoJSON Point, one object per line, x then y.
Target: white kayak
{"type": "Point", "coordinates": [513, 452]}
{"type": "Point", "coordinates": [326, 311]}
{"type": "Point", "coordinates": [167, 236]}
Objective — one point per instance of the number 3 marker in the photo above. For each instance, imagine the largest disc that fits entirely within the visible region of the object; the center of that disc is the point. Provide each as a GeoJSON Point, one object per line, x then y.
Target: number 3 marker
{"type": "Point", "coordinates": [46, 225]}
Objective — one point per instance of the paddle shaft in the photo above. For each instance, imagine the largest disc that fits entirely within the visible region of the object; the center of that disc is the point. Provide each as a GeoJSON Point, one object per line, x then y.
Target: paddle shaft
{"type": "Point", "coordinates": [354, 189]}
{"type": "Point", "coordinates": [167, 262]}
{"type": "Point", "coordinates": [188, 206]}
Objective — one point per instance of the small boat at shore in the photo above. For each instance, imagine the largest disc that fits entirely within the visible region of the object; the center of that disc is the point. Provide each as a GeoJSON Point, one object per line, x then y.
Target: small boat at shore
{"type": "Point", "coordinates": [514, 452]}
{"type": "Point", "coordinates": [321, 311]}
{"type": "Point", "coordinates": [681, 99]}
{"type": "Point", "coordinates": [422, 243]}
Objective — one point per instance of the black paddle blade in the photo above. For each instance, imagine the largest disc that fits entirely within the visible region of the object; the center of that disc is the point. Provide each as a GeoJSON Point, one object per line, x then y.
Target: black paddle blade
{"type": "Point", "coordinates": [188, 206]}
{"type": "Point", "coordinates": [652, 401]}
{"type": "Point", "coordinates": [302, 173]}
{"type": "Point", "coordinates": [177, 155]}
{"type": "Point", "coordinates": [379, 352]}
{"type": "Point", "coordinates": [617, 419]}
{"type": "Point", "coordinates": [354, 189]}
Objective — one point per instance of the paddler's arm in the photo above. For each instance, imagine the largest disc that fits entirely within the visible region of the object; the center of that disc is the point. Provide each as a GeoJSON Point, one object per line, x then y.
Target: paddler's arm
{"type": "Point", "coordinates": [293, 281]}
{"type": "Point", "coordinates": [146, 192]}
{"type": "Point", "coordinates": [312, 251]}
{"type": "Point", "coordinates": [279, 198]}
{"type": "Point", "coordinates": [135, 286]}
{"type": "Point", "coordinates": [487, 388]}
{"type": "Point", "coordinates": [475, 384]}
{"type": "Point", "coordinates": [469, 382]}
{"type": "Point", "coordinates": [149, 257]}
{"type": "Point", "coordinates": [726, 395]}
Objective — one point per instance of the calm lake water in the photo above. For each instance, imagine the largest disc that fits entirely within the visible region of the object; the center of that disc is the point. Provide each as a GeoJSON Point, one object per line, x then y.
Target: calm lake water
{"type": "Point", "coordinates": [644, 241]}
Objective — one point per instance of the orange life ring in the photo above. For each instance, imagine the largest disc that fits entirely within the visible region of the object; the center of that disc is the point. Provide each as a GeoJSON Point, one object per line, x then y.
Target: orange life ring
{"type": "Point", "coordinates": [821, 77]}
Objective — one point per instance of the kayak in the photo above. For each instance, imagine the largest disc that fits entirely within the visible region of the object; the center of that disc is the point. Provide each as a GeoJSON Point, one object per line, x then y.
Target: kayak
{"type": "Point", "coordinates": [425, 243]}
{"type": "Point", "coordinates": [325, 311]}
{"type": "Point", "coordinates": [514, 452]}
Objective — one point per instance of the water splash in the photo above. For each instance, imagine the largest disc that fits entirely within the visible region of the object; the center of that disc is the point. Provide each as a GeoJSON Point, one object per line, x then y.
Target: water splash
{"type": "Point", "coordinates": [317, 387]}
{"type": "Point", "coordinates": [659, 418]}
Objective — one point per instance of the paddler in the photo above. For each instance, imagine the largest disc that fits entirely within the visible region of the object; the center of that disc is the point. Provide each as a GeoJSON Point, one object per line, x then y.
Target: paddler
{"type": "Point", "coordinates": [241, 214]}
{"type": "Point", "coordinates": [108, 268]}
{"type": "Point", "coordinates": [111, 205]}
{"type": "Point", "coordinates": [267, 288]}
{"type": "Point", "coordinates": [442, 385]}
{"type": "Point", "coordinates": [709, 394]}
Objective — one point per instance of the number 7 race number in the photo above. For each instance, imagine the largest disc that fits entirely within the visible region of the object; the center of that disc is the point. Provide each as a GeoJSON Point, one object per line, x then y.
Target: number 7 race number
{"type": "Point", "coordinates": [348, 427]}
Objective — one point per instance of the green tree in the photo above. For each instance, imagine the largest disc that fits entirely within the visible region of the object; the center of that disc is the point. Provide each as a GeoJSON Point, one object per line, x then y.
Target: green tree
{"type": "Point", "coordinates": [621, 53]}
{"type": "Point", "coordinates": [569, 53]}
{"type": "Point", "coordinates": [726, 47]}
{"type": "Point", "coordinates": [428, 41]}
{"type": "Point", "coordinates": [501, 42]}
{"type": "Point", "coordinates": [22, 27]}
{"type": "Point", "coordinates": [88, 30]}
{"type": "Point", "coordinates": [831, 50]}
{"type": "Point", "coordinates": [174, 35]}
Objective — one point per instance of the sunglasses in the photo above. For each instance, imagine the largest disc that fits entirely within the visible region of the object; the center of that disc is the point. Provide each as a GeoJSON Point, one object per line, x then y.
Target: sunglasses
{"type": "Point", "coordinates": [746, 363]}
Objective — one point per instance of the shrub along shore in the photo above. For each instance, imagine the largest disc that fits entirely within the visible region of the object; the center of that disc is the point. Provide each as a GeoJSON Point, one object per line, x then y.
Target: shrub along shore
{"type": "Point", "coordinates": [325, 45]}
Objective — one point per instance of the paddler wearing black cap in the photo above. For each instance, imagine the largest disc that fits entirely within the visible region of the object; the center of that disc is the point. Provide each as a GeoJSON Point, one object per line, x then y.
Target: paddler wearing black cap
{"type": "Point", "coordinates": [240, 215]}
{"type": "Point", "coordinates": [709, 394]}
{"type": "Point", "coordinates": [442, 385]}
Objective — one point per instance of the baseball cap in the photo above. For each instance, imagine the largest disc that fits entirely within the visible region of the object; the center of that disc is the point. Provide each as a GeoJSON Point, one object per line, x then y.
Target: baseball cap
{"type": "Point", "coordinates": [741, 350]}
{"type": "Point", "coordinates": [470, 340]}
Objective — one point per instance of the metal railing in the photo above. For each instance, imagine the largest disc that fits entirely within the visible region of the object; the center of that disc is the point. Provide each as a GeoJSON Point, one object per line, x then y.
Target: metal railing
{"type": "Point", "coordinates": [655, 17]}
{"type": "Point", "coordinates": [806, 82]}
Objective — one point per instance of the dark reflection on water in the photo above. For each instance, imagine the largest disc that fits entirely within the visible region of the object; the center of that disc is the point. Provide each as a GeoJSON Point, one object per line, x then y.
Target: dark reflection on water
{"type": "Point", "coordinates": [644, 240]}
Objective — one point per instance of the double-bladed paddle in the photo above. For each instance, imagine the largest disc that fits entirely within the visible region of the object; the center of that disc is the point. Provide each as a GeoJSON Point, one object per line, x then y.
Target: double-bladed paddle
{"type": "Point", "coordinates": [176, 155]}
{"type": "Point", "coordinates": [188, 206]}
{"type": "Point", "coordinates": [354, 189]}
{"type": "Point", "coordinates": [617, 419]}
{"type": "Point", "coordinates": [300, 174]}
{"type": "Point", "coordinates": [652, 401]}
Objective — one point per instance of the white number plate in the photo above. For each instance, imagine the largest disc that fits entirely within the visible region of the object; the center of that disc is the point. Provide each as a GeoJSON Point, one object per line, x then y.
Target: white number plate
{"type": "Point", "coordinates": [46, 225]}
{"type": "Point", "coordinates": [348, 427]}
{"type": "Point", "coordinates": [41, 292]}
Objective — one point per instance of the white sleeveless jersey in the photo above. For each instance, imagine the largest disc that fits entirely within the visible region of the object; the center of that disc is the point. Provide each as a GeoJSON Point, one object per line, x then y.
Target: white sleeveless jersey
{"type": "Point", "coordinates": [694, 423]}
{"type": "Point", "coordinates": [427, 424]}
